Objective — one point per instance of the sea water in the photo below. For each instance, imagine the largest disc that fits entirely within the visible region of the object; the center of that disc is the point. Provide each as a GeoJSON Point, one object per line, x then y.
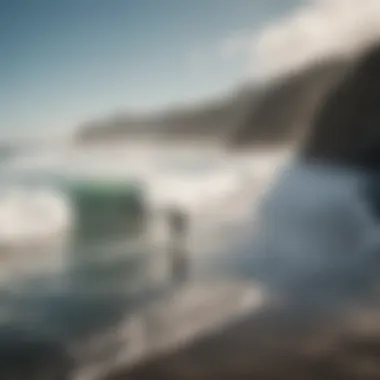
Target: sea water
{"type": "Point", "coordinates": [89, 284]}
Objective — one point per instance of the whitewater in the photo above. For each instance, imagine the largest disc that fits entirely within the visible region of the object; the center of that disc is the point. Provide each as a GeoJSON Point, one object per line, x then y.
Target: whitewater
{"type": "Point", "coordinates": [217, 189]}
{"type": "Point", "coordinates": [207, 183]}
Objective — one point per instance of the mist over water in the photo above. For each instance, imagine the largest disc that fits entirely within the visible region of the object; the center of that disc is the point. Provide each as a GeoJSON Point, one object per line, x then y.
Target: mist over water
{"type": "Point", "coordinates": [71, 284]}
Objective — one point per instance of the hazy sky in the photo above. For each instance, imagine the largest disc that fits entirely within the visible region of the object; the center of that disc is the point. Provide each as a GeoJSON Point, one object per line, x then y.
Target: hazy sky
{"type": "Point", "coordinates": [65, 61]}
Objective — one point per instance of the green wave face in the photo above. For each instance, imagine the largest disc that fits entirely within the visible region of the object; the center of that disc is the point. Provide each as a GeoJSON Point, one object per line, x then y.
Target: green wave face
{"type": "Point", "coordinates": [106, 209]}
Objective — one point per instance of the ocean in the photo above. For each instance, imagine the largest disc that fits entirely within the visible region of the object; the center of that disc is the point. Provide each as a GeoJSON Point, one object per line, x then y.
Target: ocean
{"type": "Point", "coordinates": [73, 286]}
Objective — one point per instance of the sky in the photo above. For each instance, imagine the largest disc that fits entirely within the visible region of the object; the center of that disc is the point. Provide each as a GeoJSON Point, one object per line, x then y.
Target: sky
{"type": "Point", "coordinates": [64, 62]}
{"type": "Point", "coordinates": [317, 30]}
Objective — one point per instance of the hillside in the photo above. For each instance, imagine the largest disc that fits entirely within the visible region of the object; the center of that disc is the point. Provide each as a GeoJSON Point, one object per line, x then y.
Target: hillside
{"type": "Point", "coordinates": [271, 113]}
{"type": "Point", "coordinates": [209, 121]}
{"type": "Point", "coordinates": [283, 109]}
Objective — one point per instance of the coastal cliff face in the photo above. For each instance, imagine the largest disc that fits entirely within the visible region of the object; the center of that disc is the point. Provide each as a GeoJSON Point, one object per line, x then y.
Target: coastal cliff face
{"type": "Point", "coordinates": [275, 112]}
{"type": "Point", "coordinates": [283, 109]}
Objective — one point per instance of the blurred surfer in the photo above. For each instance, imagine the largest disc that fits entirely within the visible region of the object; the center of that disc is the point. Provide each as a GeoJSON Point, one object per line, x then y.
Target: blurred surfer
{"type": "Point", "coordinates": [177, 250]}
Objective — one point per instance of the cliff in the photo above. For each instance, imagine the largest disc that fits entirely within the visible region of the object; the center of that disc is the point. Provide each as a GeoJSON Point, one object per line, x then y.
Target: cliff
{"type": "Point", "coordinates": [274, 112]}
{"type": "Point", "coordinates": [284, 108]}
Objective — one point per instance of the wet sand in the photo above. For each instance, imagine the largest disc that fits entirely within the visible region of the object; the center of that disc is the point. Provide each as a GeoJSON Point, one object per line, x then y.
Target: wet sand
{"type": "Point", "coordinates": [274, 344]}
{"type": "Point", "coordinates": [173, 322]}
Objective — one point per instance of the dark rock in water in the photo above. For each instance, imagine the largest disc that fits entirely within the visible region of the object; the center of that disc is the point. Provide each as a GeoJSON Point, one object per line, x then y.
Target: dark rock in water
{"type": "Point", "coordinates": [29, 356]}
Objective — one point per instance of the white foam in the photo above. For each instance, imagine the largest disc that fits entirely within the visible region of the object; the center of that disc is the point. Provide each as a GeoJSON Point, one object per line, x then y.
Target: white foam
{"type": "Point", "coordinates": [33, 227]}
{"type": "Point", "coordinates": [209, 184]}
{"type": "Point", "coordinates": [27, 215]}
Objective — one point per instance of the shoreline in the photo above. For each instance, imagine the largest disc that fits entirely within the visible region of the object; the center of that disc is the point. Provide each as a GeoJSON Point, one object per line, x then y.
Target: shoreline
{"type": "Point", "coordinates": [183, 315]}
{"type": "Point", "coordinates": [272, 344]}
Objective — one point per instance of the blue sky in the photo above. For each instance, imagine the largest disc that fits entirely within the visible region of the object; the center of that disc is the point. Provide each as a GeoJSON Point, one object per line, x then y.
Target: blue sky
{"type": "Point", "coordinates": [66, 61]}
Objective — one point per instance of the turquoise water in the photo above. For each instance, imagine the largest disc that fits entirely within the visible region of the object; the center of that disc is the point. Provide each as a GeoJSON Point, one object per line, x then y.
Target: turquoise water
{"type": "Point", "coordinates": [107, 269]}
